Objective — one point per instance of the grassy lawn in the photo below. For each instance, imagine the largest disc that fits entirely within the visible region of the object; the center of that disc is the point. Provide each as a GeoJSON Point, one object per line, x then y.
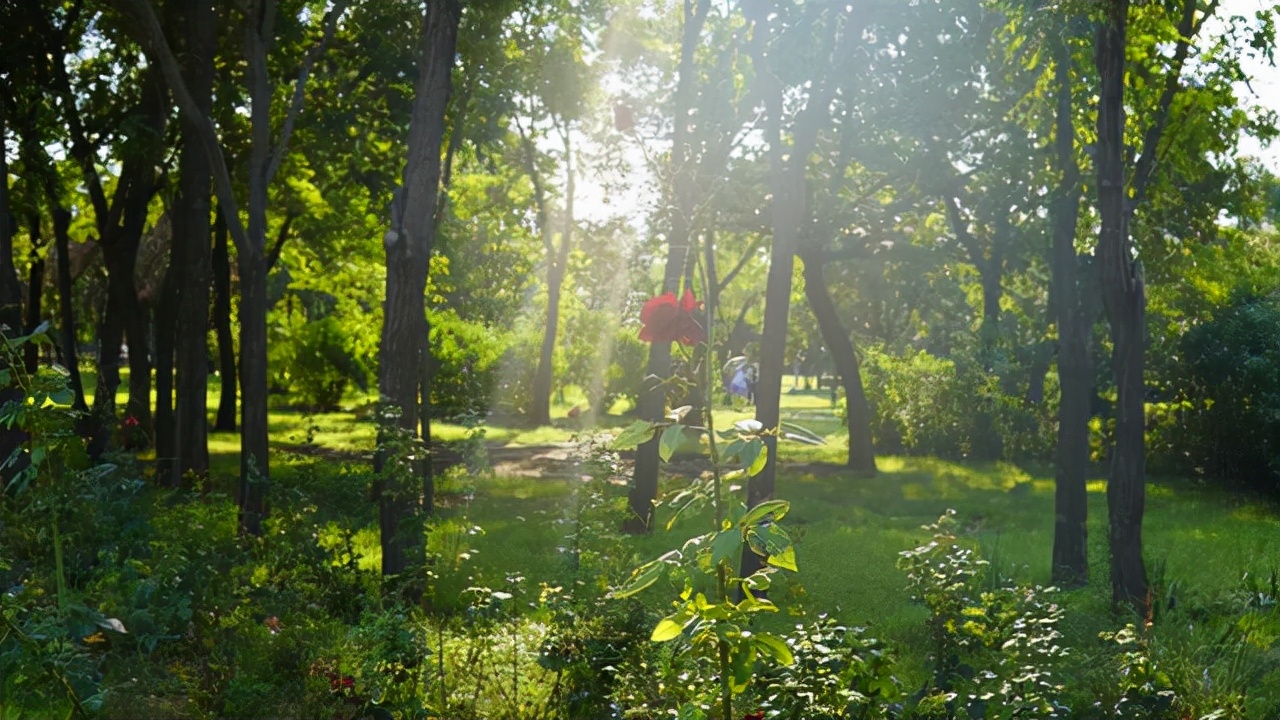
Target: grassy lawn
{"type": "Point", "coordinates": [1198, 541]}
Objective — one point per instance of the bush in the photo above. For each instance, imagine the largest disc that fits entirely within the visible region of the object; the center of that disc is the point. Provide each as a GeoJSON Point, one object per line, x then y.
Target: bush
{"type": "Point", "coordinates": [1225, 420]}
{"type": "Point", "coordinates": [314, 362]}
{"type": "Point", "coordinates": [922, 404]}
{"type": "Point", "coordinates": [466, 355]}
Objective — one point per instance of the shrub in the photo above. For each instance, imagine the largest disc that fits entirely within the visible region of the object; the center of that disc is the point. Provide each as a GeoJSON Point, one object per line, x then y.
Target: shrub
{"type": "Point", "coordinates": [922, 404]}
{"type": "Point", "coordinates": [465, 355]}
{"type": "Point", "coordinates": [1225, 421]}
{"type": "Point", "coordinates": [314, 361]}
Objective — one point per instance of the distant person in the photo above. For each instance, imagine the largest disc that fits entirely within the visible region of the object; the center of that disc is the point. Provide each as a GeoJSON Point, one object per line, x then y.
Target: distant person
{"type": "Point", "coordinates": [753, 379]}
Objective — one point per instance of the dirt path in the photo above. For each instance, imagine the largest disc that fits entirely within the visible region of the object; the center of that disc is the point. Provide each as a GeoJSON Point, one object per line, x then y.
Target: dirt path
{"type": "Point", "coordinates": [557, 460]}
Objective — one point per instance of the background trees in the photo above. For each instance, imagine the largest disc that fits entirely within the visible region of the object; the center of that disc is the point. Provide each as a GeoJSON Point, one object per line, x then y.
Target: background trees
{"type": "Point", "coordinates": [535, 171]}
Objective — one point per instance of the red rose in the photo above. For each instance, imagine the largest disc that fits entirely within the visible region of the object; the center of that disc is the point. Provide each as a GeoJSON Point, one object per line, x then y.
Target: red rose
{"type": "Point", "coordinates": [666, 320]}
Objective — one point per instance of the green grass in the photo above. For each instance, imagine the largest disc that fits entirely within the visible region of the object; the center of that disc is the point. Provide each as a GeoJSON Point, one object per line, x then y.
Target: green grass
{"type": "Point", "coordinates": [850, 530]}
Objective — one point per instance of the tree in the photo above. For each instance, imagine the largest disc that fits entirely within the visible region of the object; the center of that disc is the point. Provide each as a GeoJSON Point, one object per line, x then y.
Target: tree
{"type": "Point", "coordinates": [409, 243]}
{"type": "Point", "coordinates": [652, 404]}
{"type": "Point", "coordinates": [1074, 320]}
{"type": "Point", "coordinates": [788, 185]}
{"type": "Point", "coordinates": [182, 316]}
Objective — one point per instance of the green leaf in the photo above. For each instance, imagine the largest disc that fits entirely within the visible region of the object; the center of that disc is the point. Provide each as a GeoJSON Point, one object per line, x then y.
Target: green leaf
{"type": "Point", "coordinates": [742, 664]}
{"type": "Point", "coordinates": [755, 456]}
{"type": "Point", "coordinates": [667, 629]}
{"type": "Point", "coordinates": [643, 577]}
{"type": "Point", "coordinates": [774, 646]}
{"type": "Point", "coordinates": [670, 441]}
{"type": "Point", "coordinates": [727, 545]}
{"type": "Point", "coordinates": [634, 434]}
{"type": "Point", "coordinates": [801, 434]}
{"type": "Point", "coordinates": [777, 508]}
{"type": "Point", "coordinates": [62, 396]}
{"type": "Point", "coordinates": [785, 559]}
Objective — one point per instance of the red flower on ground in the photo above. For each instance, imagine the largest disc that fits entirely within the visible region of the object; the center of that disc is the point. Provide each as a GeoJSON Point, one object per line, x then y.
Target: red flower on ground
{"type": "Point", "coordinates": [665, 319]}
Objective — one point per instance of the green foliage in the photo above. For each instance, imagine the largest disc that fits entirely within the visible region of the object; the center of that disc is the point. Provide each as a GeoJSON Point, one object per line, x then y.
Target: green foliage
{"type": "Point", "coordinates": [839, 673]}
{"type": "Point", "coordinates": [994, 651]}
{"type": "Point", "coordinates": [926, 405]}
{"type": "Point", "coordinates": [1225, 420]}
{"type": "Point", "coordinates": [465, 355]}
{"type": "Point", "coordinates": [316, 362]}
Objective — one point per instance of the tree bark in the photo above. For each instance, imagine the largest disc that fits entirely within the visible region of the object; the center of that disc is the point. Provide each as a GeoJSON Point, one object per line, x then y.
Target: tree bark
{"type": "Point", "coordinates": [35, 292]}
{"type": "Point", "coordinates": [190, 251]}
{"type": "Point", "coordinates": [255, 472]}
{"type": "Point", "coordinates": [120, 227]}
{"type": "Point", "coordinates": [1075, 368]}
{"type": "Point", "coordinates": [1124, 300]}
{"type": "Point", "coordinates": [66, 306]}
{"type": "Point", "coordinates": [557, 262]}
{"type": "Point", "coordinates": [681, 202]}
{"type": "Point", "coordinates": [225, 421]}
{"type": "Point", "coordinates": [11, 438]}
{"type": "Point", "coordinates": [409, 243]}
{"type": "Point", "coordinates": [862, 458]}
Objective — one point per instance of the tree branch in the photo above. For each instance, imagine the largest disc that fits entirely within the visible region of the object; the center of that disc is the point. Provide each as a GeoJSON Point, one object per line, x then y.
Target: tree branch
{"type": "Point", "coordinates": [150, 36]}
{"type": "Point", "coordinates": [1188, 28]}
{"type": "Point", "coordinates": [300, 86]}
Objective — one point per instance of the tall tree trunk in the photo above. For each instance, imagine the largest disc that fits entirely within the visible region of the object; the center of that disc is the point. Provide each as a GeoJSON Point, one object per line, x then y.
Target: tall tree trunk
{"type": "Point", "coordinates": [165, 328]}
{"type": "Point", "coordinates": [35, 292]}
{"type": "Point", "coordinates": [1075, 369]}
{"type": "Point", "coordinates": [862, 458]}
{"type": "Point", "coordinates": [255, 471]}
{"type": "Point", "coordinates": [409, 243]}
{"type": "Point", "coordinates": [788, 214]}
{"type": "Point", "coordinates": [11, 438]}
{"type": "Point", "coordinates": [225, 421]}
{"type": "Point", "coordinates": [66, 306]}
{"type": "Point", "coordinates": [557, 264]}
{"type": "Point", "coordinates": [681, 201]}
{"type": "Point", "coordinates": [120, 232]}
{"type": "Point", "coordinates": [190, 257]}
{"type": "Point", "coordinates": [1124, 300]}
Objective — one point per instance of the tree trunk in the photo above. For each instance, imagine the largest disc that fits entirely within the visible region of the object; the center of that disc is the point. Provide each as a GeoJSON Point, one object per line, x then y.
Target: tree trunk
{"type": "Point", "coordinates": [35, 293]}
{"type": "Point", "coordinates": [120, 234]}
{"type": "Point", "coordinates": [66, 306]}
{"type": "Point", "coordinates": [557, 264]}
{"type": "Point", "coordinates": [862, 459]}
{"type": "Point", "coordinates": [11, 438]}
{"type": "Point", "coordinates": [255, 471]}
{"type": "Point", "coordinates": [165, 327]}
{"type": "Point", "coordinates": [1075, 369]}
{"type": "Point", "coordinates": [652, 402]}
{"type": "Point", "coordinates": [190, 256]}
{"type": "Point", "coordinates": [409, 243]}
{"type": "Point", "coordinates": [226, 417]}
{"type": "Point", "coordinates": [1124, 301]}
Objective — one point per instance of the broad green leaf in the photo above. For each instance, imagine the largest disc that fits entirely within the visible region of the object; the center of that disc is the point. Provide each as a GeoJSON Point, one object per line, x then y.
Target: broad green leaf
{"type": "Point", "coordinates": [634, 434]}
{"type": "Point", "coordinates": [786, 559]}
{"type": "Point", "coordinates": [643, 577]}
{"type": "Point", "coordinates": [755, 456]}
{"type": "Point", "coordinates": [776, 508]}
{"type": "Point", "coordinates": [774, 646]}
{"type": "Point", "coordinates": [667, 629]}
{"type": "Point", "coordinates": [670, 441]}
{"type": "Point", "coordinates": [726, 546]}
{"type": "Point", "coordinates": [742, 664]}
